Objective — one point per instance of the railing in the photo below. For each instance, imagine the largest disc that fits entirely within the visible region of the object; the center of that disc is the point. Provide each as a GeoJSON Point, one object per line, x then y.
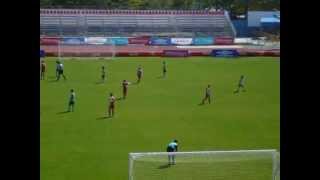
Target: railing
{"type": "Point", "coordinates": [139, 12]}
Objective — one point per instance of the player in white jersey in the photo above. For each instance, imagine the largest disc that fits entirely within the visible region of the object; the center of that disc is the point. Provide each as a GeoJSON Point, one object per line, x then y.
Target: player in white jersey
{"type": "Point", "coordinates": [241, 84]}
{"type": "Point", "coordinates": [60, 71]}
{"type": "Point", "coordinates": [111, 107]}
{"type": "Point", "coordinates": [208, 95]}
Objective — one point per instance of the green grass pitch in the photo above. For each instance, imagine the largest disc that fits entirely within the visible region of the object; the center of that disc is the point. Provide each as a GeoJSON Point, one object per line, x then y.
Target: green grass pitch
{"type": "Point", "coordinates": [83, 145]}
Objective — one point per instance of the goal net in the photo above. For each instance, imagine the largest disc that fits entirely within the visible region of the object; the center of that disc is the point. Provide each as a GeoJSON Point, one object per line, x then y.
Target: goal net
{"type": "Point", "coordinates": [93, 48]}
{"type": "Point", "coordinates": [206, 165]}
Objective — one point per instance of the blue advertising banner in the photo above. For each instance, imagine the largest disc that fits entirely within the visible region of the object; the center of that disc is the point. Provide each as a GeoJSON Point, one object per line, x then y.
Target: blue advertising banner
{"type": "Point", "coordinates": [224, 53]}
{"type": "Point", "coordinates": [42, 53]}
{"type": "Point", "coordinates": [116, 41]}
{"type": "Point", "coordinates": [203, 40]}
{"type": "Point", "coordinates": [73, 40]}
{"type": "Point", "coordinates": [160, 41]}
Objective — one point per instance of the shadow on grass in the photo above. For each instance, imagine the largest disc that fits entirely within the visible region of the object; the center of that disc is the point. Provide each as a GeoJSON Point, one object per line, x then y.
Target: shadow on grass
{"type": "Point", "coordinates": [160, 77]}
{"type": "Point", "coordinates": [164, 166]}
{"type": "Point", "coordinates": [135, 83]}
{"type": "Point", "coordinates": [51, 77]}
{"type": "Point", "coordinates": [63, 112]}
{"type": "Point", "coordinates": [53, 81]}
{"type": "Point", "coordinates": [103, 117]}
{"type": "Point", "coordinates": [100, 82]}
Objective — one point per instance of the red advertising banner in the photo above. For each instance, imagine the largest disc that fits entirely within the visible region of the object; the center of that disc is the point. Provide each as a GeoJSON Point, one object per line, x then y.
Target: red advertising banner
{"type": "Point", "coordinates": [175, 53]}
{"type": "Point", "coordinates": [139, 40]}
{"type": "Point", "coordinates": [224, 40]}
{"type": "Point", "coordinates": [49, 41]}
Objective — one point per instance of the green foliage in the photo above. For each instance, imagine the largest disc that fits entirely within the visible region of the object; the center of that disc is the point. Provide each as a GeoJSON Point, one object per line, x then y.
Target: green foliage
{"type": "Point", "coordinates": [236, 6]}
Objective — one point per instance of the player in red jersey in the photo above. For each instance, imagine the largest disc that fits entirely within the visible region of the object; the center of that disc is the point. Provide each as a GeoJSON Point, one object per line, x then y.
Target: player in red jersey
{"type": "Point", "coordinates": [125, 84]}
{"type": "Point", "coordinates": [111, 108]}
{"type": "Point", "coordinates": [43, 70]}
{"type": "Point", "coordinates": [208, 95]}
{"type": "Point", "coordinates": [139, 73]}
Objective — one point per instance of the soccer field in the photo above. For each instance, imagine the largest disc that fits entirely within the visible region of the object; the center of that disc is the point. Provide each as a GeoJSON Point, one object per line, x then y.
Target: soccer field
{"type": "Point", "coordinates": [83, 145]}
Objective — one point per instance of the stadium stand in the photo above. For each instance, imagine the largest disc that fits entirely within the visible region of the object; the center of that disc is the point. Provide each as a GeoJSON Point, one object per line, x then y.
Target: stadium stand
{"type": "Point", "coordinates": [73, 22]}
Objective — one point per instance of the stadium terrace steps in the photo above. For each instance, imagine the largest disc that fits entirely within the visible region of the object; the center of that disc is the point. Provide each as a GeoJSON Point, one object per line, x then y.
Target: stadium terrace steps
{"type": "Point", "coordinates": [123, 22]}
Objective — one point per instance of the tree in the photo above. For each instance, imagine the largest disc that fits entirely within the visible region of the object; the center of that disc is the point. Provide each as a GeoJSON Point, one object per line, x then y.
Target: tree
{"type": "Point", "coordinates": [136, 4]}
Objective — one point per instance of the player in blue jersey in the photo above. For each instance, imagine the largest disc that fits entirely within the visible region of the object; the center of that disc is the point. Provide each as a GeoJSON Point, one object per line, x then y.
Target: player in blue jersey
{"type": "Point", "coordinates": [172, 147]}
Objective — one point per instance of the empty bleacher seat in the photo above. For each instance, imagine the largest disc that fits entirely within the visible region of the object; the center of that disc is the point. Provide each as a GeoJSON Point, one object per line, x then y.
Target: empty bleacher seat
{"type": "Point", "coordinates": [128, 22]}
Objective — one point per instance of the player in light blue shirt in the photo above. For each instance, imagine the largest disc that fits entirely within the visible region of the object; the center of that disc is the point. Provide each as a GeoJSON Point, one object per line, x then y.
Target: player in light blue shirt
{"type": "Point", "coordinates": [172, 147]}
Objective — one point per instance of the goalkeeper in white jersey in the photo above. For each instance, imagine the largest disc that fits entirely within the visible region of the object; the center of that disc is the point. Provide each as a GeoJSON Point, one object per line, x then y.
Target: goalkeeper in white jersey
{"type": "Point", "coordinates": [172, 147]}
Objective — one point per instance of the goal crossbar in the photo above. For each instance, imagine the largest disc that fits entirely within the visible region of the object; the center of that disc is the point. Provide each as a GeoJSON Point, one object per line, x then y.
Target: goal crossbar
{"type": "Point", "coordinates": [201, 152]}
{"type": "Point", "coordinates": [272, 153]}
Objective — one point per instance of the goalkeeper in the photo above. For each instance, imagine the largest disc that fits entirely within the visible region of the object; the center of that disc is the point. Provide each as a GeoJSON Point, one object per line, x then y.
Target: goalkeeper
{"type": "Point", "coordinates": [172, 147]}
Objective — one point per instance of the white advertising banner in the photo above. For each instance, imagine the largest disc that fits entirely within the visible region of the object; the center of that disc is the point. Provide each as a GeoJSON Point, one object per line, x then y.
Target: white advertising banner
{"type": "Point", "coordinates": [181, 41]}
{"type": "Point", "coordinates": [95, 40]}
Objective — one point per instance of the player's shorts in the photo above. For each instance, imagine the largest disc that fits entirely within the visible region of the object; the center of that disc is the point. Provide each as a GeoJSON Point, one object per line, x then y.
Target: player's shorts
{"type": "Point", "coordinates": [60, 71]}
{"type": "Point", "coordinates": [169, 149]}
{"type": "Point", "coordinates": [241, 85]}
{"type": "Point", "coordinates": [164, 70]}
{"type": "Point", "coordinates": [111, 106]}
{"type": "Point", "coordinates": [71, 103]}
{"type": "Point", "coordinates": [125, 91]}
{"type": "Point", "coordinates": [208, 96]}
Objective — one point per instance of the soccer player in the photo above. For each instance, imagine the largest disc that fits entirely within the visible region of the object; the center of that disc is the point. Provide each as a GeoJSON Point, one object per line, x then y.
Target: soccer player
{"type": "Point", "coordinates": [72, 100]}
{"type": "Point", "coordinates": [139, 73]}
{"type": "Point", "coordinates": [42, 69]}
{"type": "Point", "coordinates": [207, 95]}
{"type": "Point", "coordinates": [125, 84]}
{"type": "Point", "coordinates": [241, 84]}
{"type": "Point", "coordinates": [60, 71]}
{"type": "Point", "coordinates": [112, 101]}
{"type": "Point", "coordinates": [164, 68]}
{"type": "Point", "coordinates": [172, 147]}
{"type": "Point", "coordinates": [103, 73]}
{"type": "Point", "coordinates": [57, 68]}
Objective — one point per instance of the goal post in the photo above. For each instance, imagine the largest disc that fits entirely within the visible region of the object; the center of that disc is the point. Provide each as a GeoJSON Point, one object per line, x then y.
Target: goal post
{"type": "Point", "coordinates": [206, 165]}
{"type": "Point", "coordinates": [83, 47]}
